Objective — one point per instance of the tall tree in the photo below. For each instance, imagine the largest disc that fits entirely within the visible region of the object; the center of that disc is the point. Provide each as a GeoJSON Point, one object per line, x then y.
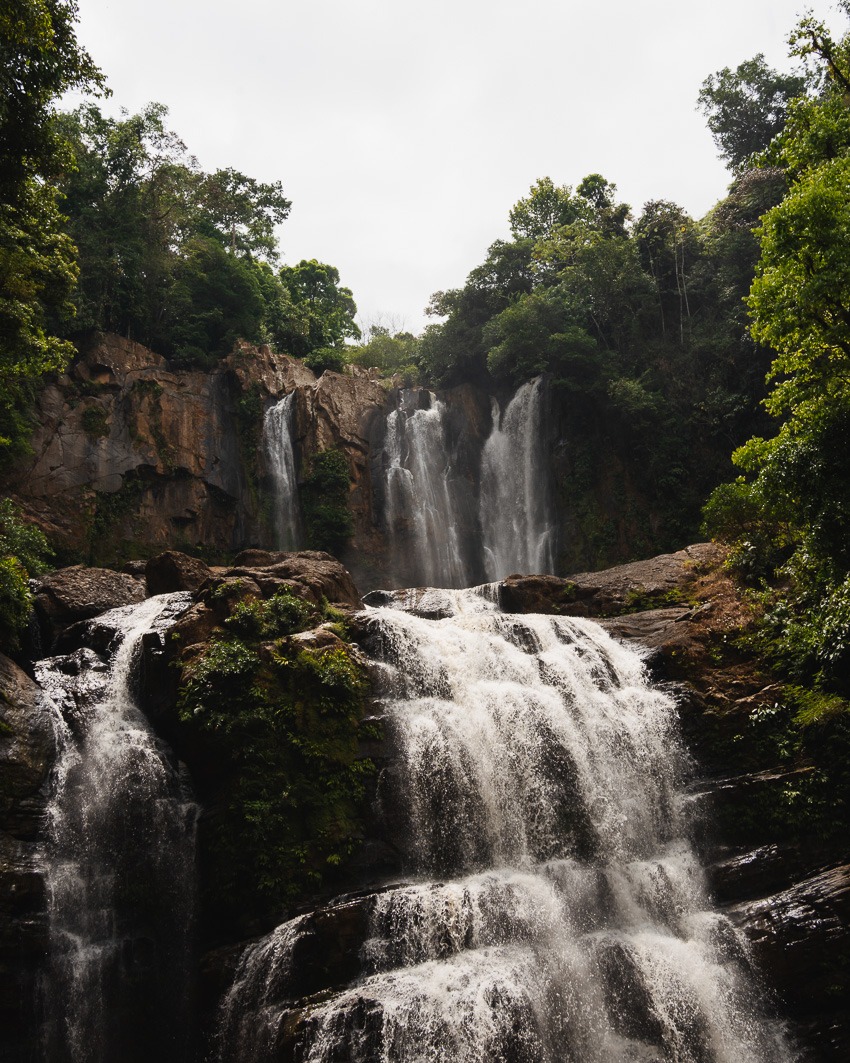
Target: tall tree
{"type": "Point", "coordinates": [41, 59]}
{"type": "Point", "coordinates": [747, 107]}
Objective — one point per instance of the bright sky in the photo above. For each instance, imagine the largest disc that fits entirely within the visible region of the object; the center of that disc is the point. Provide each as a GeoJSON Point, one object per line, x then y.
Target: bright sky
{"type": "Point", "coordinates": [404, 131]}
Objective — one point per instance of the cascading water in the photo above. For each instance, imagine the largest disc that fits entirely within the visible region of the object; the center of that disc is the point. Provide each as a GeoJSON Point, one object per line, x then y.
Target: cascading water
{"type": "Point", "coordinates": [516, 522]}
{"type": "Point", "coordinates": [425, 502]}
{"type": "Point", "coordinates": [119, 864]}
{"type": "Point", "coordinates": [277, 443]}
{"type": "Point", "coordinates": [559, 912]}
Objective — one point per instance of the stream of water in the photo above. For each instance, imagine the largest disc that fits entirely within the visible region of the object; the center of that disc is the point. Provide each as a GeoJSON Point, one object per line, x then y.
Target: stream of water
{"type": "Point", "coordinates": [556, 911]}
{"type": "Point", "coordinates": [517, 525]}
{"type": "Point", "coordinates": [280, 455]}
{"type": "Point", "coordinates": [119, 861]}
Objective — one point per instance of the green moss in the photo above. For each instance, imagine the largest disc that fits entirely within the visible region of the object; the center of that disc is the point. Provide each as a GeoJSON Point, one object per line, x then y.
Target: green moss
{"type": "Point", "coordinates": [324, 499]}
{"type": "Point", "coordinates": [639, 601]}
{"type": "Point", "coordinates": [95, 422]}
{"type": "Point", "coordinates": [280, 719]}
{"type": "Point", "coordinates": [108, 538]}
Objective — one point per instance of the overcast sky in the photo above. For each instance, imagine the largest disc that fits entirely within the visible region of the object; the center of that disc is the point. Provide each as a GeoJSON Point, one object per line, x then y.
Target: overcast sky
{"type": "Point", "coordinates": [404, 131]}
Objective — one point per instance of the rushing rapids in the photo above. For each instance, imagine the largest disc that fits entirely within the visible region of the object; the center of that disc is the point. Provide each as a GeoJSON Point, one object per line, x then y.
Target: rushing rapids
{"type": "Point", "coordinates": [280, 456]}
{"type": "Point", "coordinates": [119, 859]}
{"type": "Point", "coordinates": [556, 910]}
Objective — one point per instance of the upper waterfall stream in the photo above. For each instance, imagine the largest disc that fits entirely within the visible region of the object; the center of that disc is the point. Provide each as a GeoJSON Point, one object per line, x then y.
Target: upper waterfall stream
{"type": "Point", "coordinates": [517, 525]}
{"type": "Point", "coordinates": [556, 911]}
{"type": "Point", "coordinates": [280, 455]}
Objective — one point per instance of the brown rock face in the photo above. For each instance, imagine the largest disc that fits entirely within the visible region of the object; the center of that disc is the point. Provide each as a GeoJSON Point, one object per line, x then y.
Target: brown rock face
{"type": "Point", "coordinates": [129, 456]}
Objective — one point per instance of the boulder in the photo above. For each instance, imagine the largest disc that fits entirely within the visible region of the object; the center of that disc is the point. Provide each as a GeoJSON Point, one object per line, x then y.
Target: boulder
{"type": "Point", "coordinates": [659, 582]}
{"type": "Point", "coordinates": [78, 593]}
{"type": "Point", "coordinates": [27, 748]}
{"type": "Point", "coordinates": [311, 574]}
{"type": "Point", "coordinates": [800, 938]}
{"type": "Point", "coordinates": [175, 571]}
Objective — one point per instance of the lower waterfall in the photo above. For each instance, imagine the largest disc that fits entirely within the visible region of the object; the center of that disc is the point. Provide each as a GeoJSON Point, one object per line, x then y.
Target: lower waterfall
{"type": "Point", "coordinates": [119, 864]}
{"type": "Point", "coordinates": [556, 911]}
{"type": "Point", "coordinates": [277, 443]}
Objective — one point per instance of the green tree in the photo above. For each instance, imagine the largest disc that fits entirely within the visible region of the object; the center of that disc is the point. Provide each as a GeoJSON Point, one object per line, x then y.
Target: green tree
{"type": "Point", "coordinates": [23, 554]}
{"type": "Point", "coordinates": [130, 198]}
{"type": "Point", "coordinates": [41, 59]}
{"type": "Point", "coordinates": [747, 107]}
{"type": "Point", "coordinates": [323, 311]}
{"type": "Point", "coordinates": [795, 494]}
{"type": "Point", "coordinates": [391, 352]}
{"type": "Point", "coordinates": [243, 212]}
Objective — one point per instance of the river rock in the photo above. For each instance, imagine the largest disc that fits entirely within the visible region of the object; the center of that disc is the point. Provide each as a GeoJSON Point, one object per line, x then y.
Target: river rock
{"type": "Point", "coordinates": [312, 574]}
{"type": "Point", "coordinates": [661, 581]}
{"type": "Point", "coordinates": [79, 593]}
{"type": "Point", "coordinates": [175, 571]}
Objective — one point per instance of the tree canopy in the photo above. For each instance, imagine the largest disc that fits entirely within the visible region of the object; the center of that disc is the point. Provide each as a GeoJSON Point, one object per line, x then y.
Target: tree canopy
{"type": "Point", "coordinates": [790, 509]}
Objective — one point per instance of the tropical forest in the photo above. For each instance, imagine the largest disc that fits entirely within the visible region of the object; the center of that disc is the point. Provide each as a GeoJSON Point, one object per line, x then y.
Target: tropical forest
{"type": "Point", "coordinates": [477, 691]}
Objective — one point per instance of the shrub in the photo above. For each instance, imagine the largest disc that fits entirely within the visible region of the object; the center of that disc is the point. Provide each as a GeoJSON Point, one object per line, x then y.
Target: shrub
{"type": "Point", "coordinates": [24, 553]}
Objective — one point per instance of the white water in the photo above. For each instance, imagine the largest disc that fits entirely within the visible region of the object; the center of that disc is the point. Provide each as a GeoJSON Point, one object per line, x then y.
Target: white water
{"type": "Point", "coordinates": [120, 861]}
{"type": "Point", "coordinates": [277, 443]}
{"type": "Point", "coordinates": [559, 913]}
{"type": "Point", "coordinates": [515, 499]}
{"type": "Point", "coordinates": [423, 498]}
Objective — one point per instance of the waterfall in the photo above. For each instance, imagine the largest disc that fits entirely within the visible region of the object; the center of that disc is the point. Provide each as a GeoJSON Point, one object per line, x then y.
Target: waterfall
{"type": "Point", "coordinates": [515, 506]}
{"type": "Point", "coordinates": [424, 501]}
{"type": "Point", "coordinates": [557, 912]}
{"type": "Point", "coordinates": [119, 863]}
{"type": "Point", "coordinates": [277, 443]}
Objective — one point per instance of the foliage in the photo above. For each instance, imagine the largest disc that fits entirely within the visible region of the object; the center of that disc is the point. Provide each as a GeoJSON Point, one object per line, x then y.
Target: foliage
{"type": "Point", "coordinates": [41, 60]}
{"type": "Point", "coordinates": [24, 553]}
{"type": "Point", "coordinates": [322, 359]}
{"type": "Point", "coordinates": [787, 517]}
{"type": "Point", "coordinates": [281, 720]}
{"type": "Point", "coordinates": [640, 326]}
{"type": "Point", "coordinates": [323, 311]}
{"type": "Point", "coordinates": [324, 500]}
{"type": "Point", "coordinates": [37, 275]}
{"type": "Point", "coordinates": [182, 260]}
{"type": "Point", "coordinates": [95, 422]}
{"type": "Point", "coordinates": [747, 107]}
{"type": "Point", "coordinates": [391, 352]}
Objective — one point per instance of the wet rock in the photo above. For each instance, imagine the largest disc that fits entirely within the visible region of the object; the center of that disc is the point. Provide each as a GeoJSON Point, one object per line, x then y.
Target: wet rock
{"type": "Point", "coordinates": [736, 876]}
{"type": "Point", "coordinates": [69, 595]}
{"type": "Point", "coordinates": [657, 582]}
{"type": "Point", "coordinates": [175, 571]}
{"type": "Point", "coordinates": [27, 751]}
{"type": "Point", "coordinates": [800, 938]}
